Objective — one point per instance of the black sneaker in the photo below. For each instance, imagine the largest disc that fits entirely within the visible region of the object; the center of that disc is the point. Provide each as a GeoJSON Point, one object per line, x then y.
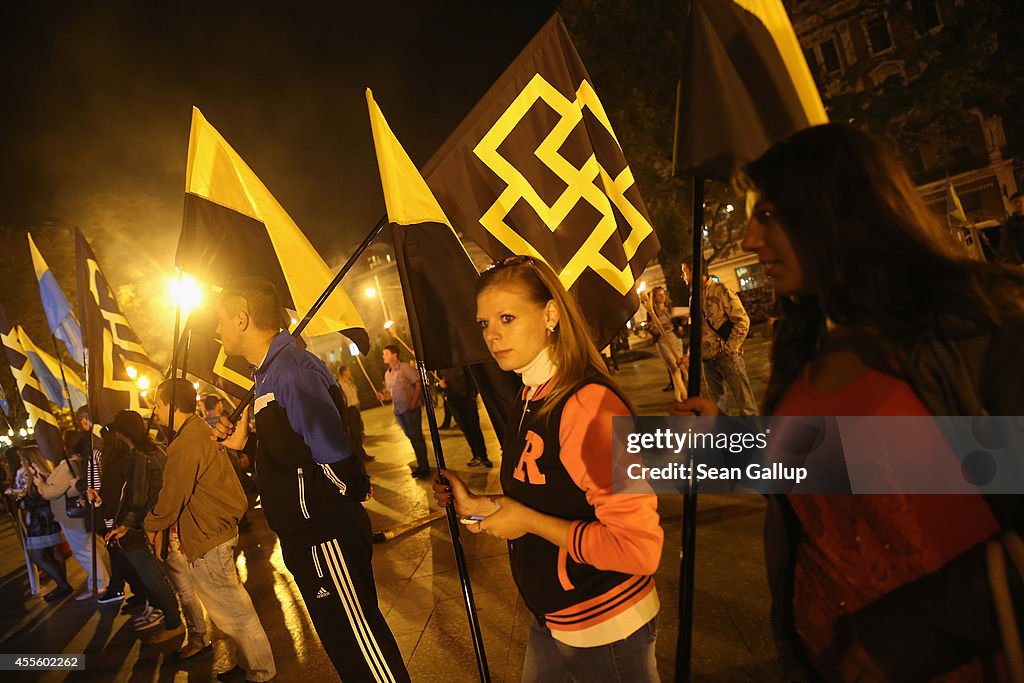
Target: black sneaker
{"type": "Point", "coordinates": [107, 596]}
{"type": "Point", "coordinates": [58, 593]}
{"type": "Point", "coordinates": [421, 473]}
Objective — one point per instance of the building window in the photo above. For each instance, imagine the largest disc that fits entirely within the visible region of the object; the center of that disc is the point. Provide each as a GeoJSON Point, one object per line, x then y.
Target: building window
{"type": "Point", "coordinates": [830, 55]}
{"type": "Point", "coordinates": [751, 277]}
{"type": "Point", "coordinates": [879, 37]}
{"type": "Point", "coordinates": [812, 60]}
{"type": "Point", "coordinates": [926, 12]}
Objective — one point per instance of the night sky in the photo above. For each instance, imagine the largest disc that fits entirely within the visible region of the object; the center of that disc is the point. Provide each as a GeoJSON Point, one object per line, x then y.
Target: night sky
{"type": "Point", "coordinates": [97, 98]}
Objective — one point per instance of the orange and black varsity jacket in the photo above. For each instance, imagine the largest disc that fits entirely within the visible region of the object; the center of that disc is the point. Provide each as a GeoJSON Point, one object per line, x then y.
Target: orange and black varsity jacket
{"type": "Point", "coordinates": [601, 588]}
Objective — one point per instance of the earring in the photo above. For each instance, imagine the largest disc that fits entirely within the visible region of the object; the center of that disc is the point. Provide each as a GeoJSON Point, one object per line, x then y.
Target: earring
{"type": "Point", "coordinates": [551, 328]}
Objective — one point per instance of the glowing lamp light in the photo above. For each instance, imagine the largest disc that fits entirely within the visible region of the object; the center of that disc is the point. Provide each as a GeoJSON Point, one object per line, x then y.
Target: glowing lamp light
{"type": "Point", "coordinates": [143, 383]}
{"type": "Point", "coordinates": [131, 372]}
{"type": "Point", "coordinates": [23, 432]}
{"type": "Point", "coordinates": [642, 288]}
{"type": "Point", "coordinates": [353, 349]}
{"type": "Point", "coordinates": [389, 324]}
{"type": "Point", "coordinates": [294, 321]}
{"type": "Point", "coordinates": [729, 208]}
{"type": "Point", "coordinates": [28, 422]}
{"type": "Point", "coordinates": [185, 293]}
{"type": "Point", "coordinates": [196, 385]}
{"type": "Point", "coordinates": [370, 292]}
{"type": "Point", "coordinates": [10, 432]}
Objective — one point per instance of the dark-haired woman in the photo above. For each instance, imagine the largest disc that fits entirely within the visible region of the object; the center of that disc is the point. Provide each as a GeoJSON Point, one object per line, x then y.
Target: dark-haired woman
{"type": "Point", "coordinates": [42, 532]}
{"type": "Point", "coordinates": [582, 557]}
{"type": "Point", "coordinates": [881, 315]}
{"type": "Point", "coordinates": [133, 468]}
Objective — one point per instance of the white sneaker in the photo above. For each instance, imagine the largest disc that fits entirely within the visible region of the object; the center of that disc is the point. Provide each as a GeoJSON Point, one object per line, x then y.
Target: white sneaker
{"type": "Point", "coordinates": [148, 619]}
{"type": "Point", "coordinates": [84, 595]}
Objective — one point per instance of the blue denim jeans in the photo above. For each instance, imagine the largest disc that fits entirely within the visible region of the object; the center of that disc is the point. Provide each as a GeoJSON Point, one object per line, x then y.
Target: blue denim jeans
{"type": "Point", "coordinates": [730, 370]}
{"type": "Point", "coordinates": [630, 660]}
{"type": "Point", "coordinates": [411, 422]}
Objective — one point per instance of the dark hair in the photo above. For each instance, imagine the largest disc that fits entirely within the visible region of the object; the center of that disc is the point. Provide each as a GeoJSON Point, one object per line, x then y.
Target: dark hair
{"type": "Point", "coordinates": [184, 394]}
{"type": "Point", "coordinates": [1018, 193]}
{"type": "Point", "coordinates": [393, 349]}
{"type": "Point", "coordinates": [257, 296]}
{"type": "Point", "coordinates": [875, 256]}
{"type": "Point", "coordinates": [82, 412]}
{"type": "Point", "coordinates": [210, 401]}
{"type": "Point", "coordinates": [72, 439]}
{"type": "Point", "coordinates": [130, 424]}
{"type": "Point", "coordinates": [570, 343]}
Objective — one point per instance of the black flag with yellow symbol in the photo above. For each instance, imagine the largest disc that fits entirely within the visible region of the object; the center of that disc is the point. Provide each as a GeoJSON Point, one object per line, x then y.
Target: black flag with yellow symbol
{"type": "Point", "coordinates": [535, 168]}
{"type": "Point", "coordinates": [233, 226]}
{"type": "Point", "coordinates": [745, 86]}
{"type": "Point", "coordinates": [119, 369]}
{"type": "Point", "coordinates": [41, 419]}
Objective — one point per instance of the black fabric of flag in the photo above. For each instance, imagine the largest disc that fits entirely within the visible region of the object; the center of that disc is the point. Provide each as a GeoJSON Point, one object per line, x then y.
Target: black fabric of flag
{"type": "Point", "coordinates": [536, 169]}
{"type": "Point", "coordinates": [112, 344]}
{"type": "Point", "coordinates": [745, 86]}
{"type": "Point", "coordinates": [47, 431]}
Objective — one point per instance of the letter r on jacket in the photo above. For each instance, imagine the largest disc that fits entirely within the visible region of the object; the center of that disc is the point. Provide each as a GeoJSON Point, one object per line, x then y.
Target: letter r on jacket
{"type": "Point", "coordinates": [527, 470]}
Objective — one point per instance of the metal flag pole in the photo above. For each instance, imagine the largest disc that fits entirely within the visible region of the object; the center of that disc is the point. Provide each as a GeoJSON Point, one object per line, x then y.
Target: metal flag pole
{"type": "Point", "coordinates": [90, 467]}
{"type": "Point", "coordinates": [321, 300]}
{"type": "Point", "coordinates": [174, 355]}
{"type": "Point", "coordinates": [453, 530]}
{"type": "Point", "coordinates": [684, 640]}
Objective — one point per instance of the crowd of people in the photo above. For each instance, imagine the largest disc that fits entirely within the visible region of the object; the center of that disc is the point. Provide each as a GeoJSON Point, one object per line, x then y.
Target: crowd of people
{"type": "Point", "coordinates": [878, 314]}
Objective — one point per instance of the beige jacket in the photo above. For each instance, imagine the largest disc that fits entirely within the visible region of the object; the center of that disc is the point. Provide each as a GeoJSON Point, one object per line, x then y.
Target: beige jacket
{"type": "Point", "coordinates": [56, 486]}
{"type": "Point", "coordinates": [200, 492]}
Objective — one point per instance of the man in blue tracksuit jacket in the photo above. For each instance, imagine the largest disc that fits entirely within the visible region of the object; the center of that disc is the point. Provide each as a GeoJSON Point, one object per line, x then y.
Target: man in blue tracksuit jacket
{"type": "Point", "coordinates": [311, 485]}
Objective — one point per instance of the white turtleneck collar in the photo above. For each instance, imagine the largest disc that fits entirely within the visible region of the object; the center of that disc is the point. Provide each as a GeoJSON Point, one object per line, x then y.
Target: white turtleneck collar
{"type": "Point", "coordinates": [538, 371]}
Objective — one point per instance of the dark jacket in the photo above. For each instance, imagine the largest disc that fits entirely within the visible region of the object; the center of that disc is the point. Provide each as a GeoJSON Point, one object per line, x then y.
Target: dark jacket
{"type": "Point", "coordinates": [309, 480]}
{"type": "Point", "coordinates": [944, 620]}
{"type": "Point", "coordinates": [141, 484]}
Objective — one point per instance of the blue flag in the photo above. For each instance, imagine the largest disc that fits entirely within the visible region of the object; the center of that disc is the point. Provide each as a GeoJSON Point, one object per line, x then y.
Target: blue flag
{"type": "Point", "coordinates": [52, 377]}
{"type": "Point", "coordinates": [59, 316]}
{"type": "Point", "coordinates": [4, 405]}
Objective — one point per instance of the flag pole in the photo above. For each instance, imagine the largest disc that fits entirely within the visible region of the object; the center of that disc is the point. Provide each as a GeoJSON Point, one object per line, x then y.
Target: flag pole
{"type": "Point", "coordinates": [368, 380]}
{"type": "Point", "coordinates": [174, 355]}
{"type": "Point", "coordinates": [90, 467]}
{"type": "Point", "coordinates": [63, 378]}
{"type": "Point", "coordinates": [684, 639]}
{"type": "Point", "coordinates": [453, 530]}
{"type": "Point", "coordinates": [321, 300]}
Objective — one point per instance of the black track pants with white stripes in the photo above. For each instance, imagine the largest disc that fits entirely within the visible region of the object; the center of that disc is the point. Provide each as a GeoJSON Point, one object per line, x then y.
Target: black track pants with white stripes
{"type": "Point", "coordinates": [335, 578]}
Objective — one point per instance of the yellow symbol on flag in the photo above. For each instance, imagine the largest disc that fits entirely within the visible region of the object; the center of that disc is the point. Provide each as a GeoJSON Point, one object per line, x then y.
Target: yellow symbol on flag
{"type": "Point", "coordinates": [580, 186]}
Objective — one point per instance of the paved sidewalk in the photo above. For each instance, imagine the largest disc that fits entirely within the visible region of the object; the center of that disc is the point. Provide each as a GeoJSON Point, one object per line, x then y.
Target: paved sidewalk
{"type": "Point", "coordinates": [418, 586]}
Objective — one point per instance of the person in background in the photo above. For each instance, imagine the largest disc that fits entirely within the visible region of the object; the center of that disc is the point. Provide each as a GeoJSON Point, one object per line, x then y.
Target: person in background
{"type": "Point", "coordinates": [60, 489]}
{"type": "Point", "coordinates": [668, 343]}
{"type": "Point", "coordinates": [132, 479]}
{"type": "Point", "coordinates": [213, 408]}
{"type": "Point", "coordinates": [353, 416]}
{"type": "Point", "coordinates": [200, 505]}
{"type": "Point", "coordinates": [461, 392]}
{"type": "Point", "coordinates": [41, 529]}
{"type": "Point", "coordinates": [725, 327]}
{"type": "Point", "coordinates": [403, 389]}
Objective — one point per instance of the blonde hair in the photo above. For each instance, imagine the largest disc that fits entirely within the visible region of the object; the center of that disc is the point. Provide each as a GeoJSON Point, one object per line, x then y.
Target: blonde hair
{"type": "Point", "coordinates": [572, 350]}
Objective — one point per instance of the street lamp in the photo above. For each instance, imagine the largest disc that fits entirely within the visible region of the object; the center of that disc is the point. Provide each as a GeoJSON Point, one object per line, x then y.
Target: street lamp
{"type": "Point", "coordinates": [185, 293]}
{"type": "Point", "coordinates": [131, 372]}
